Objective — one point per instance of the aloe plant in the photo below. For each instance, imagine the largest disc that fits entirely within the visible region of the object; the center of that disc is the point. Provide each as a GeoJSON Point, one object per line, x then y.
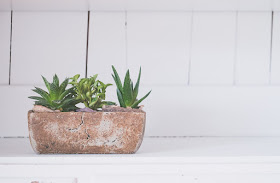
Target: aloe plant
{"type": "Point", "coordinates": [90, 91]}
{"type": "Point", "coordinates": [127, 95]}
{"type": "Point", "coordinates": [57, 97]}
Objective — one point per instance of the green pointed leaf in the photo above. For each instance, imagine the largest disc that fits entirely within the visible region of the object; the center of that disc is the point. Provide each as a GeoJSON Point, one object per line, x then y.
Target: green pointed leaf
{"type": "Point", "coordinates": [67, 92]}
{"type": "Point", "coordinates": [127, 90]}
{"type": "Point", "coordinates": [109, 103]}
{"type": "Point", "coordinates": [135, 105]}
{"type": "Point", "coordinates": [43, 103]}
{"type": "Point", "coordinates": [43, 93]}
{"type": "Point", "coordinates": [63, 85]}
{"type": "Point", "coordinates": [117, 79]}
{"type": "Point", "coordinates": [56, 81]}
{"type": "Point", "coordinates": [120, 98]}
{"type": "Point", "coordinates": [136, 89]}
{"type": "Point", "coordinates": [47, 84]}
{"type": "Point", "coordinates": [69, 101]}
{"type": "Point", "coordinates": [54, 93]}
{"type": "Point", "coordinates": [36, 98]}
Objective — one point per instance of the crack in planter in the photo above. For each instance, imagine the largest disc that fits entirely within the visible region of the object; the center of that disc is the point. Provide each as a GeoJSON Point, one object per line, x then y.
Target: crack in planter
{"type": "Point", "coordinates": [88, 136]}
{"type": "Point", "coordinates": [78, 128]}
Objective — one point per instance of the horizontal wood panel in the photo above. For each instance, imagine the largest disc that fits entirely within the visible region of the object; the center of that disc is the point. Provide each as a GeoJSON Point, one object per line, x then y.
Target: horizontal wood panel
{"type": "Point", "coordinates": [212, 111]}
{"type": "Point", "coordinates": [138, 5]}
{"type": "Point", "coordinates": [177, 111]}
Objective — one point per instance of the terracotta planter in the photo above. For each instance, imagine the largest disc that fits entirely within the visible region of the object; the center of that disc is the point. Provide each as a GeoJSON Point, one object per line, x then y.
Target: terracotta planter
{"type": "Point", "coordinates": [86, 132]}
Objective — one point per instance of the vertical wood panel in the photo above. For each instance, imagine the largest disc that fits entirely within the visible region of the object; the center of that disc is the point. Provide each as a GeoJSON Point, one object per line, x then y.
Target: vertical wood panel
{"type": "Point", "coordinates": [275, 62]}
{"type": "Point", "coordinates": [5, 30]}
{"type": "Point", "coordinates": [253, 47]}
{"type": "Point", "coordinates": [45, 43]}
{"type": "Point", "coordinates": [160, 43]}
{"type": "Point", "coordinates": [106, 45]}
{"type": "Point", "coordinates": [213, 48]}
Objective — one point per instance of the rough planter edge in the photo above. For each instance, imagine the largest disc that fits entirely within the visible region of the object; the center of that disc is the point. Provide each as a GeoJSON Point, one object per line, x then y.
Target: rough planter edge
{"type": "Point", "coordinates": [86, 132]}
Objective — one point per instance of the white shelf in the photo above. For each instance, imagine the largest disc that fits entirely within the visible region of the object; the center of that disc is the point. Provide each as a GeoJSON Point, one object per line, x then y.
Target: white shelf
{"type": "Point", "coordinates": [157, 150]}
{"type": "Point", "coordinates": [139, 5]}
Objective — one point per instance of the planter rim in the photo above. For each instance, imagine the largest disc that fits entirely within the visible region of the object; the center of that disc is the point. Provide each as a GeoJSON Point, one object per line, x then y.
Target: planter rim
{"type": "Point", "coordinates": [31, 111]}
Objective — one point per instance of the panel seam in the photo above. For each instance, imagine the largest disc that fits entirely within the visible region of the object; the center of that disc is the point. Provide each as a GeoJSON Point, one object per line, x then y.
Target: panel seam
{"type": "Point", "coordinates": [271, 45]}
{"type": "Point", "coordinates": [11, 36]}
{"type": "Point", "coordinates": [87, 43]}
{"type": "Point", "coordinates": [190, 47]}
{"type": "Point", "coordinates": [126, 42]}
{"type": "Point", "coordinates": [235, 49]}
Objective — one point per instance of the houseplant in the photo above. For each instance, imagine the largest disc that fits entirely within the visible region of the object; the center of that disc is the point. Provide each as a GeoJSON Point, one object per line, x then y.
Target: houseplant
{"type": "Point", "coordinates": [57, 125]}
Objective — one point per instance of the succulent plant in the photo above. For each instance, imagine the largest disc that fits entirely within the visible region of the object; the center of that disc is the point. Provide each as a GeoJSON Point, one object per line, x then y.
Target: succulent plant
{"type": "Point", "coordinates": [127, 95]}
{"type": "Point", "coordinates": [58, 98]}
{"type": "Point", "coordinates": [90, 91]}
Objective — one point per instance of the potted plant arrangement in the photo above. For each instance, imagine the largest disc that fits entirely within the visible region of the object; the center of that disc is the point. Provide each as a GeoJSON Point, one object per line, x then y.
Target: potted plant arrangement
{"type": "Point", "coordinates": [57, 126]}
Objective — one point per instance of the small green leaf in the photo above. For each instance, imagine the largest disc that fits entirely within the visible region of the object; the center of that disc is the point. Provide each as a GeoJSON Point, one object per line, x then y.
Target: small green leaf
{"type": "Point", "coordinates": [135, 105]}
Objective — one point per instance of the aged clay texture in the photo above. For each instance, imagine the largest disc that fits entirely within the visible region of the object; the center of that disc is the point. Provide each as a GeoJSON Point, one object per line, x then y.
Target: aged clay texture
{"type": "Point", "coordinates": [86, 132]}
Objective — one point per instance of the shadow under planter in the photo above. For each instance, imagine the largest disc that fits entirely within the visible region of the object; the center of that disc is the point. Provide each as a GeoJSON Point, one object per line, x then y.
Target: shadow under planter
{"type": "Point", "coordinates": [86, 132]}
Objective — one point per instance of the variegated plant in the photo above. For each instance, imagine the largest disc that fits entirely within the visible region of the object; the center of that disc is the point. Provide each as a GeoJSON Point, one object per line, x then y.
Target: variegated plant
{"type": "Point", "coordinates": [127, 94]}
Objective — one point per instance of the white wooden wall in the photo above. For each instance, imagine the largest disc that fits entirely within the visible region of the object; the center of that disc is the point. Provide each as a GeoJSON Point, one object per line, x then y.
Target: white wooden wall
{"type": "Point", "coordinates": [212, 73]}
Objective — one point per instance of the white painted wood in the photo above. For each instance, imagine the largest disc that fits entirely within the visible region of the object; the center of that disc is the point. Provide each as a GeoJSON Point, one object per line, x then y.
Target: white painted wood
{"type": "Point", "coordinates": [160, 43]}
{"type": "Point", "coordinates": [190, 178]}
{"type": "Point", "coordinates": [185, 173]}
{"type": "Point", "coordinates": [49, 5]}
{"type": "Point", "coordinates": [192, 159]}
{"type": "Point", "coordinates": [212, 111]}
{"type": "Point", "coordinates": [253, 47]}
{"type": "Point", "coordinates": [36, 180]}
{"type": "Point", "coordinates": [45, 43]}
{"type": "Point", "coordinates": [5, 31]}
{"type": "Point", "coordinates": [213, 43]}
{"type": "Point", "coordinates": [136, 5]}
{"type": "Point", "coordinates": [275, 60]}
{"type": "Point", "coordinates": [14, 113]}
{"type": "Point", "coordinates": [180, 150]}
{"type": "Point", "coordinates": [107, 45]}
{"type": "Point", "coordinates": [176, 111]}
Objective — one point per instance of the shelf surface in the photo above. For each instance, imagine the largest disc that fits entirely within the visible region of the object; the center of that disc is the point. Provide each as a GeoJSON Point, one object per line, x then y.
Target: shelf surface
{"type": "Point", "coordinates": [157, 150]}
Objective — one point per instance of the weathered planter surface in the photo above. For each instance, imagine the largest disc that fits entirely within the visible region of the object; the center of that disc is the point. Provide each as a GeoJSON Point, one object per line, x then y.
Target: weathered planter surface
{"type": "Point", "coordinates": [86, 132]}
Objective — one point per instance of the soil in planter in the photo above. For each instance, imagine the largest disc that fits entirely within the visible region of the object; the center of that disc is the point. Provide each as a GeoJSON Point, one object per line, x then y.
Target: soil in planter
{"type": "Point", "coordinates": [120, 109]}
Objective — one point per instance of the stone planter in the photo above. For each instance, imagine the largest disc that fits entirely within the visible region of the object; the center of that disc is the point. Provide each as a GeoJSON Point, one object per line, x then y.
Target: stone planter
{"type": "Point", "coordinates": [86, 132]}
